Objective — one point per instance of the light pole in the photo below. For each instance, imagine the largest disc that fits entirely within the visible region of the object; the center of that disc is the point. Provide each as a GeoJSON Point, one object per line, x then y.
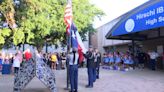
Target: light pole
{"type": "Point", "coordinates": [69, 2]}
{"type": "Point", "coordinates": [25, 41]}
{"type": "Point", "coordinates": [46, 46]}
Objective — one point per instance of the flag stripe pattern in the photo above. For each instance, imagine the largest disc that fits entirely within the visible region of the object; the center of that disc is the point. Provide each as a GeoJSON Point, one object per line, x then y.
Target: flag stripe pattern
{"type": "Point", "coordinates": [76, 42]}
{"type": "Point", "coordinates": [68, 17]}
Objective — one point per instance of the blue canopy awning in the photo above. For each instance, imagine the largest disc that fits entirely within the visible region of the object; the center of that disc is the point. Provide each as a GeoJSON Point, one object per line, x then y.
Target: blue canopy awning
{"type": "Point", "coordinates": [147, 16]}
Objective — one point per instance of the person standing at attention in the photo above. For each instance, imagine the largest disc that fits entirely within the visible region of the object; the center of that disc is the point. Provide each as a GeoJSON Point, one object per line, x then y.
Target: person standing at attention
{"type": "Point", "coordinates": [90, 67]}
{"type": "Point", "coordinates": [98, 61]}
{"type": "Point", "coordinates": [73, 70]}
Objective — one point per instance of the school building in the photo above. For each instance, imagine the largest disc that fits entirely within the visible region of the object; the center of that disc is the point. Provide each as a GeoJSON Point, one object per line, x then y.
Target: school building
{"type": "Point", "coordinates": [139, 29]}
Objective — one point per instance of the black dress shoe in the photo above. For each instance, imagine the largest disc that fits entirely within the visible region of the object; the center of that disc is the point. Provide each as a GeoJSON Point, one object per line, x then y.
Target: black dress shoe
{"type": "Point", "coordinates": [88, 86]}
{"type": "Point", "coordinates": [73, 91]}
{"type": "Point", "coordinates": [97, 77]}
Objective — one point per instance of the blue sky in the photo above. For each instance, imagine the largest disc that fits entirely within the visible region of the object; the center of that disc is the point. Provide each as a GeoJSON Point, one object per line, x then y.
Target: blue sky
{"type": "Point", "coordinates": [114, 8]}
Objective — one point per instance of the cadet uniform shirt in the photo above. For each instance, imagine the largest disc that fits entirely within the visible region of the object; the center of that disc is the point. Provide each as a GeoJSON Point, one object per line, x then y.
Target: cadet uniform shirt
{"type": "Point", "coordinates": [71, 56]}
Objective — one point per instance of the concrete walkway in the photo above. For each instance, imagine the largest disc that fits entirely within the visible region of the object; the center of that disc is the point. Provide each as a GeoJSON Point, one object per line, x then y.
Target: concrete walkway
{"type": "Point", "coordinates": [110, 81]}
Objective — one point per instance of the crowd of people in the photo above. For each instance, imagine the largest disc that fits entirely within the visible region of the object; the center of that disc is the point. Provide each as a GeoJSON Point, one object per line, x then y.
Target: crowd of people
{"type": "Point", "coordinates": [15, 61]}
{"type": "Point", "coordinates": [5, 59]}
{"type": "Point", "coordinates": [55, 60]}
{"type": "Point", "coordinates": [126, 61]}
{"type": "Point", "coordinates": [115, 60]}
{"type": "Point", "coordinates": [118, 60]}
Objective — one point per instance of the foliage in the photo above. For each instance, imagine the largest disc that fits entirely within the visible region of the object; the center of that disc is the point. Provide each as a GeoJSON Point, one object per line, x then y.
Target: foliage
{"type": "Point", "coordinates": [40, 21]}
{"type": "Point", "coordinates": [85, 32]}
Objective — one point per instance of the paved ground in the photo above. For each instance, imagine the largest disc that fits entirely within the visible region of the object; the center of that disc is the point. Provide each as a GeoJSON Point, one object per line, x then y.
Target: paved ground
{"type": "Point", "coordinates": [110, 81]}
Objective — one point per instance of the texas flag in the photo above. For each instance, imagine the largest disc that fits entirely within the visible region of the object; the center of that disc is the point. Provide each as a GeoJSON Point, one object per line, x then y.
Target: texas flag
{"type": "Point", "coordinates": [76, 41]}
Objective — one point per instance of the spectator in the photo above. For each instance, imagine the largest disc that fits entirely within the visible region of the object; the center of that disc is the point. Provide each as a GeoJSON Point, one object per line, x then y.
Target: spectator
{"type": "Point", "coordinates": [20, 56]}
{"type": "Point", "coordinates": [111, 60]}
{"type": "Point", "coordinates": [49, 59]}
{"type": "Point", "coordinates": [59, 65]}
{"type": "Point", "coordinates": [63, 60]}
{"type": "Point", "coordinates": [131, 61]}
{"type": "Point", "coordinates": [27, 54]}
{"type": "Point", "coordinates": [141, 58]}
{"type": "Point", "coordinates": [53, 61]}
{"type": "Point", "coordinates": [6, 59]}
{"type": "Point", "coordinates": [105, 59]}
{"type": "Point", "coordinates": [45, 58]}
{"type": "Point", "coordinates": [0, 62]}
{"type": "Point", "coordinates": [118, 60]}
{"type": "Point", "coordinates": [153, 56]}
{"type": "Point", "coordinates": [126, 62]}
{"type": "Point", "coordinates": [16, 63]}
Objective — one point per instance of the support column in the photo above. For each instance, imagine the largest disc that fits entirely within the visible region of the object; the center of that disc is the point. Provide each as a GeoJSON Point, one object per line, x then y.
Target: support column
{"type": "Point", "coordinates": [133, 46]}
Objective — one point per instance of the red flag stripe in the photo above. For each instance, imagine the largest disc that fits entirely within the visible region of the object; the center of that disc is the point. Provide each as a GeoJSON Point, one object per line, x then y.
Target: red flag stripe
{"type": "Point", "coordinates": [68, 17]}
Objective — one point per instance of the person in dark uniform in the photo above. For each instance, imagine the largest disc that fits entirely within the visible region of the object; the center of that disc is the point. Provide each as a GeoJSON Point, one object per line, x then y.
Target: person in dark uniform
{"type": "Point", "coordinates": [73, 69]}
{"type": "Point", "coordinates": [153, 59]}
{"type": "Point", "coordinates": [94, 68]}
{"type": "Point", "coordinates": [98, 61]}
{"type": "Point", "coordinates": [49, 60]}
{"type": "Point", "coordinates": [141, 60]}
{"type": "Point", "coordinates": [90, 67]}
{"type": "Point", "coordinates": [44, 58]}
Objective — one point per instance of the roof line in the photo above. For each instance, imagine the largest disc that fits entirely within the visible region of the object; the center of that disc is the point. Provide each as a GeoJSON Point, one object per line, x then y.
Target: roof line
{"type": "Point", "coordinates": [133, 11]}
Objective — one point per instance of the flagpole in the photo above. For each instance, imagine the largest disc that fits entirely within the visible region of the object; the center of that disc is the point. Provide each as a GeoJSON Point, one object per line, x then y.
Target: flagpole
{"type": "Point", "coordinates": [68, 49]}
{"type": "Point", "coordinates": [67, 62]}
{"type": "Point", "coordinates": [69, 2]}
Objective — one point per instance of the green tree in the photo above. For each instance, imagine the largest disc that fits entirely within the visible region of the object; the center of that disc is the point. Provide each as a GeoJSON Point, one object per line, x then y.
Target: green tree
{"type": "Point", "coordinates": [40, 21]}
{"type": "Point", "coordinates": [85, 32]}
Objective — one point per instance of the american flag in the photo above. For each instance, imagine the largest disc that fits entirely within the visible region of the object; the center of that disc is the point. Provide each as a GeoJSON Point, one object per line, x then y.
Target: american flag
{"type": "Point", "coordinates": [68, 17]}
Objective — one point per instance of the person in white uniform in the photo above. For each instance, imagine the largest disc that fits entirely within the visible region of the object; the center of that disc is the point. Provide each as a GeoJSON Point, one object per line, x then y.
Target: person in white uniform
{"type": "Point", "coordinates": [73, 69]}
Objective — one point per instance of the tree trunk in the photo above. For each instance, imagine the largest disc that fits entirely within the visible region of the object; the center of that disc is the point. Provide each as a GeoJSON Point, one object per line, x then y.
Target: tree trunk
{"type": "Point", "coordinates": [39, 48]}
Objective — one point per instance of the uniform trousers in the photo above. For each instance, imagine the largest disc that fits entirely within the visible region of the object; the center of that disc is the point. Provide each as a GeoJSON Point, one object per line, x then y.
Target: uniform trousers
{"type": "Point", "coordinates": [73, 72]}
{"type": "Point", "coordinates": [91, 76]}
